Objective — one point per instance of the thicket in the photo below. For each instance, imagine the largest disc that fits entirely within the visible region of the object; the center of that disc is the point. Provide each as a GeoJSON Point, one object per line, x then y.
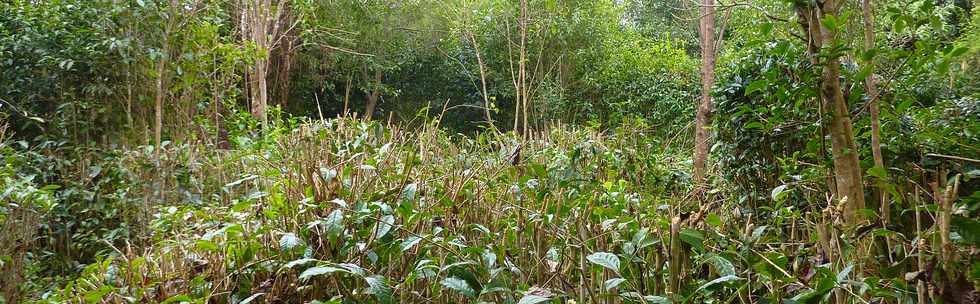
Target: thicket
{"type": "Point", "coordinates": [480, 151]}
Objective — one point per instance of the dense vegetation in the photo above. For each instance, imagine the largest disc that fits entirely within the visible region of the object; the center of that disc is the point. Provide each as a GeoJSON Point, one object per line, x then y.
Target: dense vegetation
{"type": "Point", "coordinates": [474, 151]}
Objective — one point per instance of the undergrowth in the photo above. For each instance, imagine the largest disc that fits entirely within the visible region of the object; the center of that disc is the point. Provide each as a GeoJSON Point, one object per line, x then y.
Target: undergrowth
{"type": "Point", "coordinates": [347, 211]}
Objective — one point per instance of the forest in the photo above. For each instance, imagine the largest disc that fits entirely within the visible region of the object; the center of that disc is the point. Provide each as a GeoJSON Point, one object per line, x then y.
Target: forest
{"type": "Point", "coordinates": [490, 151]}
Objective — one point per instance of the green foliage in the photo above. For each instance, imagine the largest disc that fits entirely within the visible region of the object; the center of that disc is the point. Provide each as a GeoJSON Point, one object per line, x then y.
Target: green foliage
{"type": "Point", "coordinates": [639, 77]}
{"type": "Point", "coordinates": [352, 211]}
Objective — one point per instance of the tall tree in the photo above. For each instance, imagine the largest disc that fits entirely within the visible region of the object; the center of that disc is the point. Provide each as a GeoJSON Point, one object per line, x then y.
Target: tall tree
{"type": "Point", "coordinates": [872, 93]}
{"type": "Point", "coordinates": [519, 76]}
{"type": "Point", "coordinates": [703, 118]}
{"type": "Point", "coordinates": [161, 69]}
{"type": "Point", "coordinates": [261, 25]}
{"type": "Point", "coordinates": [819, 21]}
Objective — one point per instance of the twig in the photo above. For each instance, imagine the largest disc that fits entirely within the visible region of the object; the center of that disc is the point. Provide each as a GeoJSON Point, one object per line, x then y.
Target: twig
{"type": "Point", "coordinates": [951, 157]}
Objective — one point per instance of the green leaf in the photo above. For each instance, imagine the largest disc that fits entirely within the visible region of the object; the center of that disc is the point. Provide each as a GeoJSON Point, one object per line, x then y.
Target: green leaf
{"type": "Point", "coordinates": [97, 295]}
{"type": "Point", "coordinates": [379, 288]}
{"type": "Point", "coordinates": [657, 300]}
{"type": "Point", "coordinates": [878, 172]}
{"type": "Point", "coordinates": [899, 25]}
{"type": "Point", "coordinates": [176, 299]}
{"type": "Point", "coordinates": [757, 233]}
{"type": "Point", "coordinates": [717, 281]}
{"type": "Point", "coordinates": [612, 283]}
{"type": "Point", "coordinates": [693, 237]}
{"type": "Point", "coordinates": [722, 265]}
{"type": "Point", "coordinates": [409, 242]}
{"type": "Point", "coordinates": [830, 22]}
{"type": "Point", "coordinates": [842, 275]}
{"type": "Point", "coordinates": [532, 299]}
{"type": "Point", "coordinates": [779, 193]}
{"type": "Point", "coordinates": [869, 54]}
{"type": "Point", "coordinates": [754, 125]}
{"type": "Point", "coordinates": [605, 259]}
{"type": "Point", "coordinates": [459, 285]}
{"type": "Point", "coordinates": [384, 226]}
{"type": "Point", "coordinates": [319, 270]}
{"type": "Point", "coordinates": [959, 51]}
{"type": "Point", "coordinates": [755, 85]}
{"type": "Point", "coordinates": [299, 262]}
{"type": "Point", "coordinates": [713, 220]}
{"type": "Point", "coordinates": [335, 222]}
{"type": "Point", "coordinates": [251, 298]}
{"type": "Point", "coordinates": [289, 241]}
{"type": "Point", "coordinates": [206, 245]}
{"type": "Point", "coordinates": [968, 229]}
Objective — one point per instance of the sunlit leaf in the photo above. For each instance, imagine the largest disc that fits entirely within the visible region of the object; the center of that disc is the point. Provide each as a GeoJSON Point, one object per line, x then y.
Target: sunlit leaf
{"type": "Point", "coordinates": [605, 259]}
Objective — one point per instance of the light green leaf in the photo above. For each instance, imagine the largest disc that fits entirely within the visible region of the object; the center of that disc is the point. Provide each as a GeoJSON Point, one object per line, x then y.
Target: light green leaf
{"type": "Point", "coordinates": [299, 262]}
{"type": "Point", "coordinates": [251, 298]}
{"type": "Point", "coordinates": [379, 288]}
{"type": "Point", "coordinates": [605, 259]}
{"type": "Point", "coordinates": [410, 242]}
{"type": "Point", "coordinates": [612, 283]}
{"type": "Point", "coordinates": [459, 285]}
{"type": "Point", "coordinates": [713, 220]}
{"type": "Point", "coordinates": [657, 300]}
{"type": "Point", "coordinates": [878, 172]}
{"type": "Point", "coordinates": [532, 299]}
{"type": "Point", "coordinates": [384, 226]}
{"type": "Point", "coordinates": [319, 270]}
{"type": "Point", "coordinates": [289, 241]}
{"type": "Point", "coordinates": [755, 85]}
{"type": "Point", "coordinates": [842, 275]}
{"type": "Point", "coordinates": [778, 193]}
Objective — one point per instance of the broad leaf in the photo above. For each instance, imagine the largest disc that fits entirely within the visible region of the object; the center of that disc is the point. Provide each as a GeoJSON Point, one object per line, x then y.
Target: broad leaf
{"type": "Point", "coordinates": [319, 270]}
{"type": "Point", "coordinates": [605, 259]}
{"type": "Point", "coordinates": [612, 283]}
{"type": "Point", "coordinates": [717, 281]}
{"type": "Point", "coordinates": [533, 299]}
{"type": "Point", "coordinates": [459, 285]}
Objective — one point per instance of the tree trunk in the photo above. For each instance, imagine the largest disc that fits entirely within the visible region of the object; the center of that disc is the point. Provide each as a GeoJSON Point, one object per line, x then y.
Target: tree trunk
{"type": "Point", "coordinates": [261, 26]}
{"type": "Point", "coordinates": [258, 21]}
{"type": "Point", "coordinates": [872, 93]}
{"type": "Point", "coordinates": [483, 78]}
{"type": "Point", "coordinates": [161, 70]}
{"type": "Point", "coordinates": [158, 108]}
{"type": "Point", "coordinates": [847, 168]}
{"type": "Point", "coordinates": [520, 77]}
{"type": "Point", "coordinates": [703, 120]}
{"type": "Point", "coordinates": [372, 100]}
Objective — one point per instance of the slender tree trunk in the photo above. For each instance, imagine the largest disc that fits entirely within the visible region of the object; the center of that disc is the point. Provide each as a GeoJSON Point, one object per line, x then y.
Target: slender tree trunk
{"type": "Point", "coordinates": [258, 26]}
{"type": "Point", "coordinates": [372, 100]}
{"type": "Point", "coordinates": [523, 67]}
{"type": "Point", "coordinates": [703, 119]}
{"type": "Point", "coordinates": [158, 105]}
{"type": "Point", "coordinates": [847, 168]}
{"type": "Point", "coordinates": [483, 77]}
{"type": "Point", "coordinates": [261, 25]}
{"type": "Point", "coordinates": [872, 93]}
{"type": "Point", "coordinates": [161, 71]}
{"type": "Point", "coordinates": [520, 77]}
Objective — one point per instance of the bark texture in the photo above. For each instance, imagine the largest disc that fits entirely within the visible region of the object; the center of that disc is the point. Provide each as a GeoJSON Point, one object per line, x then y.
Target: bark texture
{"type": "Point", "coordinates": [702, 141]}
{"type": "Point", "coordinates": [835, 112]}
